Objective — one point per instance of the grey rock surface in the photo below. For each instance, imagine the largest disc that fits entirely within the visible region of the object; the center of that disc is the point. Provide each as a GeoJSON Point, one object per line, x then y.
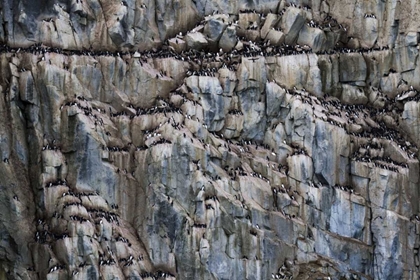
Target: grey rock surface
{"type": "Point", "coordinates": [209, 139]}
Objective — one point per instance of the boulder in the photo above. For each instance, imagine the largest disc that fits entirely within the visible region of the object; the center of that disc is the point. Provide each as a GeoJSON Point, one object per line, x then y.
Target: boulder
{"type": "Point", "coordinates": [177, 44]}
{"type": "Point", "coordinates": [229, 39]}
{"type": "Point", "coordinates": [247, 20]}
{"type": "Point", "coordinates": [275, 37]}
{"type": "Point", "coordinates": [313, 37]}
{"type": "Point", "coordinates": [292, 22]}
{"type": "Point", "coordinates": [196, 41]}
{"type": "Point", "coordinates": [271, 20]}
{"type": "Point", "coordinates": [213, 30]}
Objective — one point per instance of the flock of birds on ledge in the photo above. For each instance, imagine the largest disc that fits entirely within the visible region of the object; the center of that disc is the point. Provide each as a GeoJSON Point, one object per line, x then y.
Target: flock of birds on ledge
{"type": "Point", "coordinates": [44, 235]}
{"type": "Point", "coordinates": [250, 48]}
{"type": "Point", "coordinates": [332, 109]}
{"type": "Point", "coordinates": [199, 57]}
{"type": "Point", "coordinates": [47, 235]}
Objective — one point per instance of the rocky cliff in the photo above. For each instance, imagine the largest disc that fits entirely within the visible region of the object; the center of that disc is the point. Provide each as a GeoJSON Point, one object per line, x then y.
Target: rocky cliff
{"type": "Point", "coordinates": [191, 139]}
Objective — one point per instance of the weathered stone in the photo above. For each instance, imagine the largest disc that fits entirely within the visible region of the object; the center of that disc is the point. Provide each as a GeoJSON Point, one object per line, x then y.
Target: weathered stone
{"type": "Point", "coordinates": [228, 40]}
{"type": "Point", "coordinates": [214, 29]}
{"type": "Point", "coordinates": [353, 95]}
{"type": "Point", "coordinates": [301, 168]}
{"type": "Point", "coordinates": [370, 34]}
{"type": "Point", "coordinates": [376, 99]}
{"type": "Point", "coordinates": [247, 20]}
{"type": "Point", "coordinates": [390, 83]}
{"type": "Point", "coordinates": [290, 69]}
{"type": "Point", "coordinates": [332, 157]}
{"type": "Point", "coordinates": [352, 67]}
{"type": "Point", "coordinates": [252, 78]}
{"type": "Point", "coordinates": [313, 37]}
{"type": "Point", "coordinates": [275, 96]}
{"type": "Point", "coordinates": [270, 21]}
{"type": "Point", "coordinates": [178, 45]}
{"type": "Point", "coordinates": [239, 46]}
{"type": "Point", "coordinates": [328, 67]}
{"type": "Point", "coordinates": [227, 80]}
{"type": "Point", "coordinates": [410, 120]}
{"type": "Point", "coordinates": [404, 58]}
{"type": "Point", "coordinates": [196, 40]}
{"type": "Point", "coordinates": [292, 21]}
{"type": "Point", "coordinates": [120, 144]}
{"type": "Point", "coordinates": [411, 39]}
{"type": "Point", "coordinates": [233, 126]}
{"type": "Point", "coordinates": [275, 37]}
{"type": "Point", "coordinates": [209, 91]}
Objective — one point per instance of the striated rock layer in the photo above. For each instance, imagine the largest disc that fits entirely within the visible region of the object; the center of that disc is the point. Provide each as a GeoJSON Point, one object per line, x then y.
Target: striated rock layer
{"type": "Point", "coordinates": [209, 139]}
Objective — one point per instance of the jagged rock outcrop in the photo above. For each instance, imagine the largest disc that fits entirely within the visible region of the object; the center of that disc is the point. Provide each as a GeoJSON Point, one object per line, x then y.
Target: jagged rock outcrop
{"type": "Point", "coordinates": [209, 140]}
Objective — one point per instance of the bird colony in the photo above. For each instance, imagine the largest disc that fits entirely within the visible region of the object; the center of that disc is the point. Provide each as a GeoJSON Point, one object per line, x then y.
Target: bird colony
{"type": "Point", "coordinates": [209, 139]}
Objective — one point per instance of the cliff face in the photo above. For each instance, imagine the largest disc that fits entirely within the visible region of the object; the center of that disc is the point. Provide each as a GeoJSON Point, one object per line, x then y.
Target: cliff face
{"type": "Point", "coordinates": [162, 139]}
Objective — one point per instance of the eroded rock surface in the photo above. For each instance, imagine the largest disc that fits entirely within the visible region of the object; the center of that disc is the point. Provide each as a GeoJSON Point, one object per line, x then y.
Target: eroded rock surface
{"type": "Point", "coordinates": [209, 140]}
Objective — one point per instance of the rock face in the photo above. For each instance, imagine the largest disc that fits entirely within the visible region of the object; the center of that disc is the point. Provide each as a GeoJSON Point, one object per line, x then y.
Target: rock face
{"type": "Point", "coordinates": [209, 139]}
